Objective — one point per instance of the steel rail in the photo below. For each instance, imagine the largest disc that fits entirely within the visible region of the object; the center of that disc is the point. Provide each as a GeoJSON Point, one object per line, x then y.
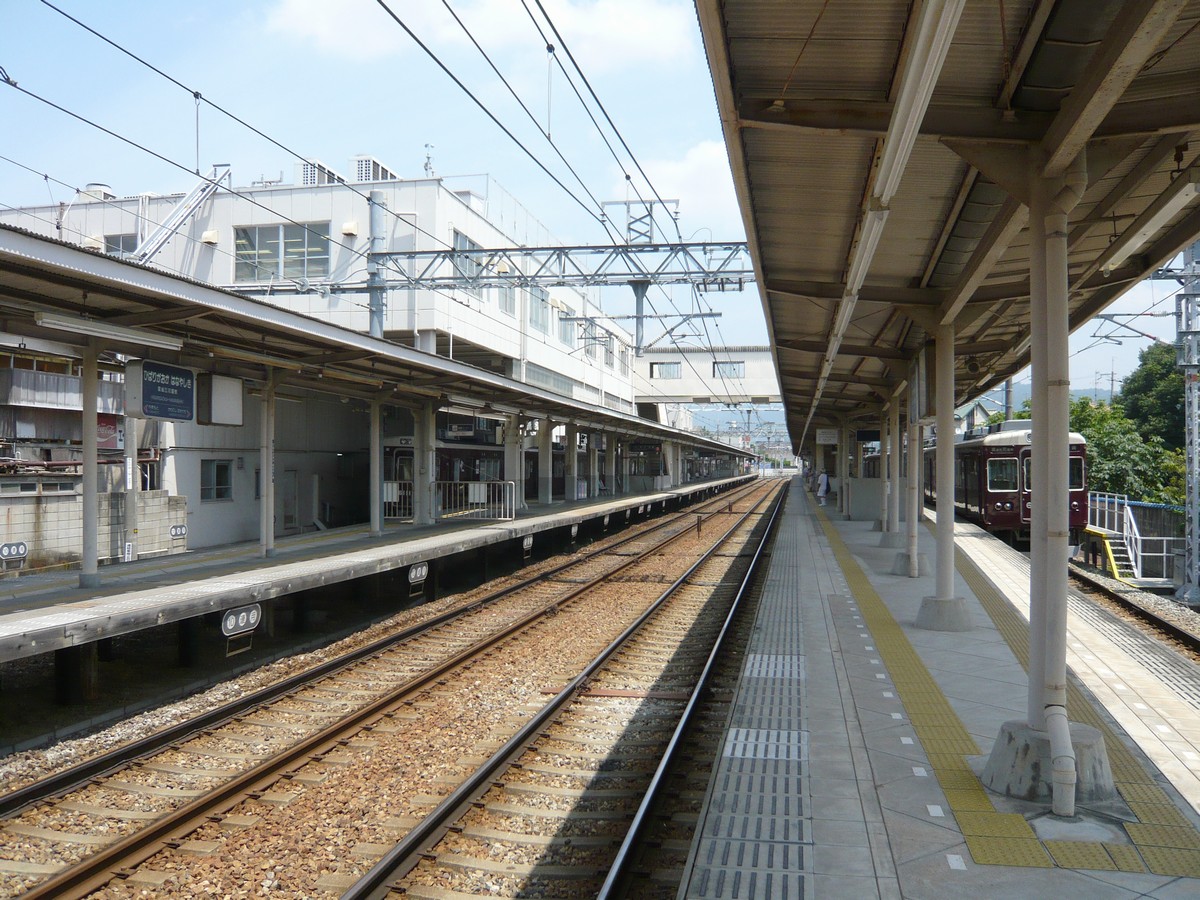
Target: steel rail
{"type": "Point", "coordinates": [1176, 632]}
{"type": "Point", "coordinates": [98, 868]}
{"type": "Point", "coordinates": [618, 870]}
{"type": "Point", "coordinates": [13, 802]}
{"type": "Point", "coordinates": [402, 858]}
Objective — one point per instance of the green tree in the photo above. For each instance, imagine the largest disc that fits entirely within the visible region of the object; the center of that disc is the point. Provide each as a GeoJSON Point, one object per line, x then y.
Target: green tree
{"type": "Point", "coordinates": [1174, 479]}
{"type": "Point", "coordinates": [1152, 396]}
{"type": "Point", "coordinates": [1120, 461]}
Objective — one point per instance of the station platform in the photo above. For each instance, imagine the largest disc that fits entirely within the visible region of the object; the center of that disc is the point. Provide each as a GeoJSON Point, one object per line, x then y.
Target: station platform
{"type": "Point", "coordinates": [45, 612]}
{"type": "Point", "coordinates": [851, 766]}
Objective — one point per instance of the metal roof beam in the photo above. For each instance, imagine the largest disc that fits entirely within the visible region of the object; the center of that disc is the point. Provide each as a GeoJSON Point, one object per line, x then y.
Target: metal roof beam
{"type": "Point", "coordinates": [869, 118]}
{"type": "Point", "coordinates": [829, 290]}
{"type": "Point", "coordinates": [847, 349]}
{"type": "Point", "coordinates": [1133, 36]}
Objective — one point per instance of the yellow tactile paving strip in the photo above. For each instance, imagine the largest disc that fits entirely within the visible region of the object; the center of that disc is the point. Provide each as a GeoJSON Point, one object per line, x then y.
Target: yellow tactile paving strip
{"type": "Point", "coordinates": [1163, 841]}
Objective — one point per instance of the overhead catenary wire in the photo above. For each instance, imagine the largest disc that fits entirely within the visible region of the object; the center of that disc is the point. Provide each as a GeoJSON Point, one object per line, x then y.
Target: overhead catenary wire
{"type": "Point", "coordinates": [446, 69]}
{"type": "Point", "coordinates": [359, 254]}
{"type": "Point", "coordinates": [545, 131]}
{"type": "Point", "coordinates": [562, 43]}
{"type": "Point", "coordinates": [199, 98]}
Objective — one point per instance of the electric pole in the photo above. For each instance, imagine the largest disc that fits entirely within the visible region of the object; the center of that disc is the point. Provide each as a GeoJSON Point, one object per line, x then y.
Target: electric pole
{"type": "Point", "coordinates": [1187, 348]}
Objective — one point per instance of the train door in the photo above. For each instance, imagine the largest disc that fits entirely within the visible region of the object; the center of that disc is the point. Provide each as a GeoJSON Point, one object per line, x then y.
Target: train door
{"type": "Point", "coordinates": [531, 475]}
{"type": "Point", "coordinates": [289, 496]}
{"type": "Point", "coordinates": [1025, 455]}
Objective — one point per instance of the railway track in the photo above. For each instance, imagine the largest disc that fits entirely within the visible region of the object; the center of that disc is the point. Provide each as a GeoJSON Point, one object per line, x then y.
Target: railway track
{"type": "Point", "coordinates": [258, 757]}
{"type": "Point", "coordinates": [1173, 623]}
{"type": "Point", "coordinates": [564, 802]}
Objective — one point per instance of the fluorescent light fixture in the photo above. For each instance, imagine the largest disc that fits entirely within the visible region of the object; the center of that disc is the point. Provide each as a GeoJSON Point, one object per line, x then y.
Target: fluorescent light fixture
{"type": "Point", "coordinates": [1183, 190]}
{"type": "Point", "coordinates": [252, 357]}
{"type": "Point", "coordinates": [842, 320]}
{"type": "Point", "coordinates": [931, 43]}
{"type": "Point", "coordinates": [37, 345]}
{"type": "Point", "coordinates": [100, 329]}
{"type": "Point", "coordinates": [872, 230]}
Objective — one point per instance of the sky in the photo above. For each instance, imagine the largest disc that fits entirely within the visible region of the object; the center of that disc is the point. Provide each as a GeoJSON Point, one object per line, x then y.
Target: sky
{"type": "Point", "coordinates": [331, 80]}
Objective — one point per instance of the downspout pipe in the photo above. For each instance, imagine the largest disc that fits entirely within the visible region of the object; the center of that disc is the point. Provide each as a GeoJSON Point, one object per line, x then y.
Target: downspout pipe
{"type": "Point", "coordinates": [1058, 408]}
{"type": "Point", "coordinates": [1062, 761]}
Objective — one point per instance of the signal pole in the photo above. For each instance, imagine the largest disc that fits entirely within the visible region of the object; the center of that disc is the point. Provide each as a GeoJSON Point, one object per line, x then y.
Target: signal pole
{"type": "Point", "coordinates": [1187, 348]}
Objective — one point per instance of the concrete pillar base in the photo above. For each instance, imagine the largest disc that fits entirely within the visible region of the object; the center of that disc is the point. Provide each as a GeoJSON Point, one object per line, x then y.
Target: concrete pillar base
{"type": "Point", "coordinates": [900, 566]}
{"type": "Point", "coordinates": [893, 540]}
{"type": "Point", "coordinates": [89, 580]}
{"type": "Point", "coordinates": [944, 614]}
{"type": "Point", "coordinates": [1020, 764]}
{"type": "Point", "coordinates": [877, 525]}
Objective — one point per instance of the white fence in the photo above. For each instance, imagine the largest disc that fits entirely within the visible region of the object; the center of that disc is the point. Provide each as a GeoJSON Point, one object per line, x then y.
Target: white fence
{"type": "Point", "coordinates": [475, 500]}
{"type": "Point", "coordinates": [397, 499]}
{"type": "Point", "coordinates": [1107, 511]}
{"type": "Point", "coordinates": [454, 500]}
{"type": "Point", "coordinates": [1150, 557]}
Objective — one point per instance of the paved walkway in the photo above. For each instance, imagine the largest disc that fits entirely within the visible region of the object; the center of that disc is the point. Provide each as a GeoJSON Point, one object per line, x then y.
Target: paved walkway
{"type": "Point", "coordinates": [856, 739]}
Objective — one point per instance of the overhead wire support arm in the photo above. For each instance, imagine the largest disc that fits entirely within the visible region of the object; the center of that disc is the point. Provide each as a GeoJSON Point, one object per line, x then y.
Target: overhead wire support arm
{"type": "Point", "coordinates": [1113, 319]}
{"type": "Point", "coordinates": [708, 266]}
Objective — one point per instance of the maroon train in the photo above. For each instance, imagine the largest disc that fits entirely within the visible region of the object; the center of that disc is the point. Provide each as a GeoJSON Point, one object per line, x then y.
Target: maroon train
{"type": "Point", "coordinates": [992, 480]}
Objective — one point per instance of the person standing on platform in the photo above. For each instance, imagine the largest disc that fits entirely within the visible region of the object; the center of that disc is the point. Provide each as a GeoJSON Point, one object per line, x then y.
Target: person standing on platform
{"type": "Point", "coordinates": [822, 486]}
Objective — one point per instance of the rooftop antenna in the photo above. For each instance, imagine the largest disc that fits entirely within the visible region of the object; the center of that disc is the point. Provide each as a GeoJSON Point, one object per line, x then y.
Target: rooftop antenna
{"type": "Point", "coordinates": [428, 160]}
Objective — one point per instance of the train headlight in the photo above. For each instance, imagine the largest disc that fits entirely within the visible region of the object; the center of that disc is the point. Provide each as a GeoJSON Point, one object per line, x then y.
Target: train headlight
{"type": "Point", "coordinates": [1074, 504]}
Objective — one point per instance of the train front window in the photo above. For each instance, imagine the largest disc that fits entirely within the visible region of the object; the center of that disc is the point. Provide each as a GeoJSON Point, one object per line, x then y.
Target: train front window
{"type": "Point", "coordinates": [1002, 474]}
{"type": "Point", "coordinates": [1075, 473]}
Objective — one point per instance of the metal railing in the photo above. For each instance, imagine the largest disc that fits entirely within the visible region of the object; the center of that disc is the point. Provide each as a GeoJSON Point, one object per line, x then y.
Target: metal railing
{"type": "Point", "coordinates": [1149, 557]}
{"type": "Point", "coordinates": [398, 500]}
{"type": "Point", "coordinates": [1107, 511]}
{"type": "Point", "coordinates": [475, 500]}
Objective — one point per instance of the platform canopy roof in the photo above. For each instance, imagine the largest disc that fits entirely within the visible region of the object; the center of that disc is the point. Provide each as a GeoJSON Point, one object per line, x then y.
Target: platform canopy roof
{"type": "Point", "coordinates": [57, 299]}
{"type": "Point", "coordinates": [883, 152]}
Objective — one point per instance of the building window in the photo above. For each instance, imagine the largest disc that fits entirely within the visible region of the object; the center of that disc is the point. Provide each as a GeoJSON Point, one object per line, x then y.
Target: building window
{"type": "Point", "coordinates": [216, 479]}
{"type": "Point", "coordinates": [566, 327]}
{"type": "Point", "coordinates": [467, 262]}
{"type": "Point", "coordinates": [729, 370]}
{"type": "Point", "coordinates": [507, 296]}
{"type": "Point", "coordinates": [121, 245]}
{"type": "Point", "coordinates": [666, 370]}
{"type": "Point", "coordinates": [270, 252]}
{"type": "Point", "coordinates": [539, 309]}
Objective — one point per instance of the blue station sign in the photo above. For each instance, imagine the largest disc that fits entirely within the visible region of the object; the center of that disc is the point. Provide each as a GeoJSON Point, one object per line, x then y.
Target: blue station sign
{"type": "Point", "coordinates": [155, 390]}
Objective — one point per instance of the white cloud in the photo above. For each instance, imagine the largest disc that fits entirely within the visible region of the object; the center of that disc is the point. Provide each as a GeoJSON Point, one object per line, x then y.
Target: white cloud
{"type": "Point", "coordinates": [603, 35]}
{"type": "Point", "coordinates": [354, 29]}
{"type": "Point", "coordinates": [701, 182]}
